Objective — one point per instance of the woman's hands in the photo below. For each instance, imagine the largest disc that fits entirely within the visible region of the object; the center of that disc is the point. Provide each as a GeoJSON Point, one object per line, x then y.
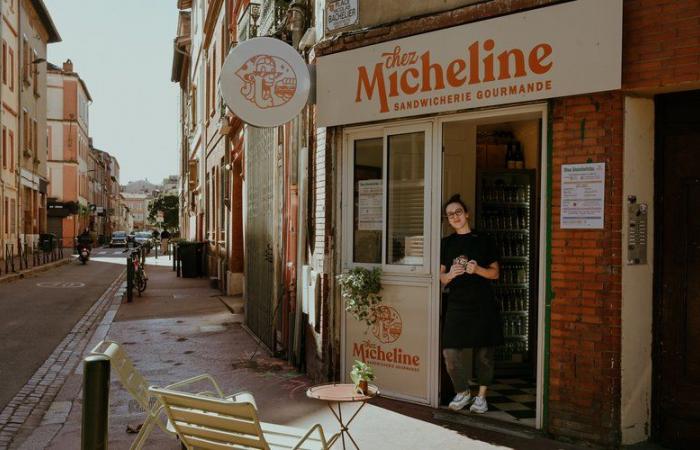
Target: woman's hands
{"type": "Point", "coordinates": [455, 271]}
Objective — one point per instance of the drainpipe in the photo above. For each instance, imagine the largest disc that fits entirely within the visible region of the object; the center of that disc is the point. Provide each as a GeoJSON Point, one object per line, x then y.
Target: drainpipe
{"type": "Point", "coordinates": [2, 179]}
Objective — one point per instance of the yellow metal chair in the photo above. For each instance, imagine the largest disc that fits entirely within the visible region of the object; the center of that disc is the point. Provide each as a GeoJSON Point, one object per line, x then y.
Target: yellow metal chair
{"type": "Point", "coordinates": [137, 386]}
{"type": "Point", "coordinates": [203, 422]}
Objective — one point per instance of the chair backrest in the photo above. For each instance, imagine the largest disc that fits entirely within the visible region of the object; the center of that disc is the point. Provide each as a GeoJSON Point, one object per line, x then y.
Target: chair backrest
{"type": "Point", "coordinates": [212, 423]}
{"type": "Point", "coordinates": [131, 378]}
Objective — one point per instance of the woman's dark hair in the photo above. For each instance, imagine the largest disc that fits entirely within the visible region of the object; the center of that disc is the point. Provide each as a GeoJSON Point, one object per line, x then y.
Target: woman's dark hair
{"type": "Point", "coordinates": [456, 198]}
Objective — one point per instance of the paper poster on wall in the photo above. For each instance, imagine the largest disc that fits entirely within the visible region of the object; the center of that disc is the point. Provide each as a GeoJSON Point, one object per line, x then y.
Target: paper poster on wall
{"type": "Point", "coordinates": [583, 196]}
{"type": "Point", "coordinates": [369, 212]}
{"type": "Point", "coordinates": [341, 14]}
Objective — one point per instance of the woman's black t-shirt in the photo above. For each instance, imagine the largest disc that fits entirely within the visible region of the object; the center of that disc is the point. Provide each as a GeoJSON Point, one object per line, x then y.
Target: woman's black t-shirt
{"type": "Point", "coordinates": [472, 317]}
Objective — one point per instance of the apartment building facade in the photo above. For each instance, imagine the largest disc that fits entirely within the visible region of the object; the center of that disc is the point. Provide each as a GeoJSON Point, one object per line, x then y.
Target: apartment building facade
{"type": "Point", "coordinates": [36, 30]}
{"type": "Point", "coordinates": [137, 204]}
{"type": "Point", "coordinates": [402, 121]}
{"type": "Point", "coordinates": [69, 152]}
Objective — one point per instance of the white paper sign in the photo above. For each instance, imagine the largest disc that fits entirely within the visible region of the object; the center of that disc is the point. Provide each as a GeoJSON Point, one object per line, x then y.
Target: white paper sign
{"type": "Point", "coordinates": [555, 51]}
{"type": "Point", "coordinates": [369, 205]}
{"type": "Point", "coordinates": [583, 195]}
{"type": "Point", "coordinates": [341, 14]}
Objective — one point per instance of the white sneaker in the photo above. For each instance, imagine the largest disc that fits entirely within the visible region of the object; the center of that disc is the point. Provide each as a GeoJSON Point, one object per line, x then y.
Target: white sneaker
{"type": "Point", "coordinates": [479, 406]}
{"type": "Point", "coordinates": [460, 401]}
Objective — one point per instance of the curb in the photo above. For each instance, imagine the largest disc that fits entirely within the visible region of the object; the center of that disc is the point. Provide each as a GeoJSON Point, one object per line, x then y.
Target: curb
{"type": "Point", "coordinates": [31, 271]}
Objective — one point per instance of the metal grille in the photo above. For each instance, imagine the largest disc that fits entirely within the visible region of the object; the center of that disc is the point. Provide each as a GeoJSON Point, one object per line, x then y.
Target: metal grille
{"type": "Point", "coordinates": [260, 273]}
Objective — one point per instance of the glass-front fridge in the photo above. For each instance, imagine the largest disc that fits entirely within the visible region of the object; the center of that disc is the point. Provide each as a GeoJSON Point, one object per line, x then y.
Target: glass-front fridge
{"type": "Point", "coordinates": [506, 211]}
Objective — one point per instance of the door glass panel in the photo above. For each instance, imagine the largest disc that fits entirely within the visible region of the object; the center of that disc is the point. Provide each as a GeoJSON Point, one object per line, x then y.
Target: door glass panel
{"type": "Point", "coordinates": [368, 201]}
{"type": "Point", "coordinates": [406, 185]}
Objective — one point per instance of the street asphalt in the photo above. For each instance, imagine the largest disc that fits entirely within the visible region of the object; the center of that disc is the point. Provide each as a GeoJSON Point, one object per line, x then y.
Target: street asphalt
{"type": "Point", "coordinates": [36, 313]}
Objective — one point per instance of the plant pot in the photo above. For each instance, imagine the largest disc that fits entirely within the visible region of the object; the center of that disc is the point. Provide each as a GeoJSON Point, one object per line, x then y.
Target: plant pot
{"type": "Point", "coordinates": [363, 387]}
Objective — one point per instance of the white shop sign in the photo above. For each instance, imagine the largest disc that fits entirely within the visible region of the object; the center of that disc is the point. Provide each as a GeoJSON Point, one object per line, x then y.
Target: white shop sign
{"type": "Point", "coordinates": [582, 196]}
{"type": "Point", "coordinates": [555, 51]}
{"type": "Point", "coordinates": [265, 82]}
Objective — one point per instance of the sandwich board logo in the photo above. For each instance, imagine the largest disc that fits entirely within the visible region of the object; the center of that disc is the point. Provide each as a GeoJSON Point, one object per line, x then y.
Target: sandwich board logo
{"type": "Point", "coordinates": [269, 81]}
{"type": "Point", "coordinates": [388, 325]}
{"type": "Point", "coordinates": [265, 82]}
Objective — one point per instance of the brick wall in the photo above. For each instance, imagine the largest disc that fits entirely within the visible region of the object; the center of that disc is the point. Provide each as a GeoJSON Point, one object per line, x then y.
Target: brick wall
{"type": "Point", "coordinates": [585, 344]}
{"type": "Point", "coordinates": [661, 45]}
{"type": "Point", "coordinates": [431, 22]}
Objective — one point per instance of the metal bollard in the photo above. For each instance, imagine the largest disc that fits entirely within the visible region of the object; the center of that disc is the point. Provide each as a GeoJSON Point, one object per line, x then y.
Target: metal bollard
{"type": "Point", "coordinates": [95, 422]}
{"type": "Point", "coordinates": [129, 278]}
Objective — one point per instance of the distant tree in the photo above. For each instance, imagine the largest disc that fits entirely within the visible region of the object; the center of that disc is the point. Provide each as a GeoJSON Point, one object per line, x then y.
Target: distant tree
{"type": "Point", "coordinates": [169, 205]}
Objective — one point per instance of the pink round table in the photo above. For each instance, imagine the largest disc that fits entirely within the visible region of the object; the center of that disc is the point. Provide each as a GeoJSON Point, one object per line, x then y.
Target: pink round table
{"type": "Point", "coordinates": [342, 393]}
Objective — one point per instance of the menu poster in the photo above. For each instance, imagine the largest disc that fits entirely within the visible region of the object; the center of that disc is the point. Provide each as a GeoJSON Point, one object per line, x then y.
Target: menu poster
{"type": "Point", "coordinates": [369, 215]}
{"type": "Point", "coordinates": [583, 196]}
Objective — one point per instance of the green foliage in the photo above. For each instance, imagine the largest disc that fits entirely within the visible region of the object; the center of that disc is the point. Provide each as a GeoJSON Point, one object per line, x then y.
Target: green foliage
{"type": "Point", "coordinates": [361, 372]}
{"type": "Point", "coordinates": [170, 205]}
{"type": "Point", "coordinates": [360, 288]}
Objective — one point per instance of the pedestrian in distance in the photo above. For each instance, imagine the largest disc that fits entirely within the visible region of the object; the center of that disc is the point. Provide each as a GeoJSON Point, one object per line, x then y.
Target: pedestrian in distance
{"type": "Point", "coordinates": [164, 239]}
{"type": "Point", "coordinates": [472, 325]}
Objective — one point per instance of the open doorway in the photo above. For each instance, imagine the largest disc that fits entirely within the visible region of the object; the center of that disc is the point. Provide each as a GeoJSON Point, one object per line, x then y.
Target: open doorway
{"type": "Point", "coordinates": [494, 163]}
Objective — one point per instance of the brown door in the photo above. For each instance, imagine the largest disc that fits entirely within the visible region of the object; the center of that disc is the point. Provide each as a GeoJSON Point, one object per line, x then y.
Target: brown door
{"type": "Point", "coordinates": [677, 305]}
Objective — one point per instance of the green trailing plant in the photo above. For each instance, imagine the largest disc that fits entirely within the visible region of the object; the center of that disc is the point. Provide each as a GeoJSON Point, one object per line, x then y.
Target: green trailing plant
{"type": "Point", "coordinates": [361, 374]}
{"type": "Point", "coordinates": [360, 289]}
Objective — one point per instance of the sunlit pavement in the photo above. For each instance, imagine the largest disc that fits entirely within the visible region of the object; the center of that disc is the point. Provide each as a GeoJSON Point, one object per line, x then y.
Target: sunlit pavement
{"type": "Point", "coordinates": [180, 328]}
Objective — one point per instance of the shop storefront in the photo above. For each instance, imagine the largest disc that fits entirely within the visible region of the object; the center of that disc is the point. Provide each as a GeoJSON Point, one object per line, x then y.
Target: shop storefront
{"type": "Point", "coordinates": [466, 109]}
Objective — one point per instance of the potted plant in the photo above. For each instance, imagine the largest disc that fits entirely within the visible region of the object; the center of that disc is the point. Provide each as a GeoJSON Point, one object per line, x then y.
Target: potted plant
{"type": "Point", "coordinates": [361, 374]}
{"type": "Point", "coordinates": [360, 289]}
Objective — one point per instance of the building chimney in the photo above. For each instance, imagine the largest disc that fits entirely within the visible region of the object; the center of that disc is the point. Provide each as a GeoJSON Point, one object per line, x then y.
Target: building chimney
{"type": "Point", "coordinates": [68, 66]}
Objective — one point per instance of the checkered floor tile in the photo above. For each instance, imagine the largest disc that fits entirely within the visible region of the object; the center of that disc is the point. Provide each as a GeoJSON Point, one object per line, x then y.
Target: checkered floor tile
{"type": "Point", "coordinates": [511, 400]}
{"type": "Point", "coordinates": [515, 398]}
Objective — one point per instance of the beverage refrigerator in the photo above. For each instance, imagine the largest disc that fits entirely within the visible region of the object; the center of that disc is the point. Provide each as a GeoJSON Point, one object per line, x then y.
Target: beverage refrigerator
{"type": "Point", "coordinates": [506, 211]}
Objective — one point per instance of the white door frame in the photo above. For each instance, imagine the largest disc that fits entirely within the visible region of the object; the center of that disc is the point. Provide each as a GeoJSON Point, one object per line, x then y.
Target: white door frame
{"type": "Point", "coordinates": [433, 224]}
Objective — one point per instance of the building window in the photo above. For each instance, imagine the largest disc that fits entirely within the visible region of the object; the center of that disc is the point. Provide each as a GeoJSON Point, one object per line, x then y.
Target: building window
{"type": "Point", "coordinates": [12, 69]}
{"type": "Point", "coordinates": [35, 139]}
{"type": "Point", "coordinates": [11, 136]}
{"type": "Point", "coordinates": [4, 147]}
{"type": "Point", "coordinates": [368, 186]}
{"type": "Point", "coordinates": [35, 74]}
{"type": "Point", "coordinates": [7, 217]}
{"type": "Point", "coordinates": [4, 62]}
{"type": "Point", "coordinates": [26, 62]}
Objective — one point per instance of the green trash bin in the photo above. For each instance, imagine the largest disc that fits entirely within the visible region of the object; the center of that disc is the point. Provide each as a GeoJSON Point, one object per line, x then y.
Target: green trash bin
{"type": "Point", "coordinates": [187, 252]}
{"type": "Point", "coordinates": [47, 242]}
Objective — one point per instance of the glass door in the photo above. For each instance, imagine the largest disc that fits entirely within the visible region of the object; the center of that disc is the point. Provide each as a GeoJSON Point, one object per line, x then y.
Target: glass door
{"type": "Point", "coordinates": [387, 225]}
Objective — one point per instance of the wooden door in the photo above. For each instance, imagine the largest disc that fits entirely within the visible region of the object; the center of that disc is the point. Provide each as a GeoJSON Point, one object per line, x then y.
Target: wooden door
{"type": "Point", "coordinates": [677, 304]}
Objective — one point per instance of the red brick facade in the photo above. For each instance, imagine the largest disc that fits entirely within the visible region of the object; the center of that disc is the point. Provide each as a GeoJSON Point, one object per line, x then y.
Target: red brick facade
{"type": "Point", "coordinates": [585, 326]}
{"type": "Point", "coordinates": [661, 45]}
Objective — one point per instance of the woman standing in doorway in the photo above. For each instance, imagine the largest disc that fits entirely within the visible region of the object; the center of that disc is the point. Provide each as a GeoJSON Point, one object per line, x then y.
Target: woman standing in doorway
{"type": "Point", "coordinates": [472, 327]}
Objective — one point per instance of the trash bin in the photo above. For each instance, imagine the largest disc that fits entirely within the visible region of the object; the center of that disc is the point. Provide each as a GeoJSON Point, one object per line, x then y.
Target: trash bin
{"type": "Point", "coordinates": [47, 242]}
{"type": "Point", "coordinates": [191, 255]}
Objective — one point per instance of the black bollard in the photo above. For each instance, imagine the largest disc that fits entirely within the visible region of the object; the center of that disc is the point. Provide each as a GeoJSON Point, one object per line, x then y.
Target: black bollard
{"type": "Point", "coordinates": [129, 278]}
{"type": "Point", "coordinates": [95, 403]}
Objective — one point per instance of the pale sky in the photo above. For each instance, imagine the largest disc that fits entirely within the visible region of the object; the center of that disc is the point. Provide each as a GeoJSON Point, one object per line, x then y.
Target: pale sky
{"type": "Point", "coordinates": [123, 51]}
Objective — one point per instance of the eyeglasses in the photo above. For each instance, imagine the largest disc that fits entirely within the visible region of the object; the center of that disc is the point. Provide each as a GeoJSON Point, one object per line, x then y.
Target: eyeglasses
{"type": "Point", "coordinates": [454, 215]}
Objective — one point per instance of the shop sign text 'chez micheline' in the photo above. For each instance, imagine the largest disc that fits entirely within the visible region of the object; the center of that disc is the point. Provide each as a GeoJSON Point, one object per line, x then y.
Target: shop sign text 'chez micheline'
{"type": "Point", "coordinates": [543, 53]}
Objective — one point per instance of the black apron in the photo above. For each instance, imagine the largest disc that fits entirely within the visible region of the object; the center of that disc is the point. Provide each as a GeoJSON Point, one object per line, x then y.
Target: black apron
{"type": "Point", "coordinates": [472, 317]}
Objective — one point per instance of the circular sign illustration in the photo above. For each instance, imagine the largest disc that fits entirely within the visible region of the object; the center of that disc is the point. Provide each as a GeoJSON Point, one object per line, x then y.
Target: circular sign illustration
{"type": "Point", "coordinates": [265, 82]}
{"type": "Point", "coordinates": [388, 325]}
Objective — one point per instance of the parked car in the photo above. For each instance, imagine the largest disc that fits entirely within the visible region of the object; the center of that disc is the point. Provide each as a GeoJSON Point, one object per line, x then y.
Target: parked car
{"type": "Point", "coordinates": [130, 236]}
{"type": "Point", "coordinates": [143, 238]}
{"type": "Point", "coordinates": [119, 238]}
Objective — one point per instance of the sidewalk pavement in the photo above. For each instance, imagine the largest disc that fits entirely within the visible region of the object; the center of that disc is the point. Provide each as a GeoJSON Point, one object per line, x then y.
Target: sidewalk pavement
{"type": "Point", "coordinates": [181, 328]}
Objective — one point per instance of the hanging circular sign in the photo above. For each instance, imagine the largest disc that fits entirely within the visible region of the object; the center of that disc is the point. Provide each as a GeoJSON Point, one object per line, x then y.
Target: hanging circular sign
{"type": "Point", "coordinates": [265, 82]}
